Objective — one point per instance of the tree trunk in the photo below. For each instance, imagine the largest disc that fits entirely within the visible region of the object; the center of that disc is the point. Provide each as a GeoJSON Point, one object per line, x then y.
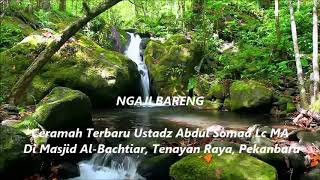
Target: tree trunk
{"type": "Point", "coordinates": [197, 8]}
{"type": "Point", "coordinates": [24, 81]}
{"type": "Point", "coordinates": [135, 8]}
{"type": "Point", "coordinates": [276, 14]}
{"type": "Point", "coordinates": [181, 4]}
{"type": "Point", "coordinates": [62, 5]}
{"type": "Point", "coordinates": [302, 89]}
{"type": "Point", "coordinates": [315, 63]}
{"type": "Point", "coordinates": [298, 4]}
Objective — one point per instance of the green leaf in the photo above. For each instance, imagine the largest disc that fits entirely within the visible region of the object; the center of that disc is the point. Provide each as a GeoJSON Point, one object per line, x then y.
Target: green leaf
{"type": "Point", "coordinates": [192, 83]}
{"type": "Point", "coordinates": [304, 63]}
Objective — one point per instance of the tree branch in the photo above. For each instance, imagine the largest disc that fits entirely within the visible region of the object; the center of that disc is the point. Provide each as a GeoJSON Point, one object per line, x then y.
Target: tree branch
{"type": "Point", "coordinates": [25, 80]}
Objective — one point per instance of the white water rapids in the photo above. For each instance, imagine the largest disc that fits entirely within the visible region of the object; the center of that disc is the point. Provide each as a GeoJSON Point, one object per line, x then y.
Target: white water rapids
{"type": "Point", "coordinates": [105, 166]}
{"type": "Point", "coordinates": [133, 52]}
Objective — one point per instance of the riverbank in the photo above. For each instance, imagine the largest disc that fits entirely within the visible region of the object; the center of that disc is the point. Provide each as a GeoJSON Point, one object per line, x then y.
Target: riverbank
{"type": "Point", "coordinates": [128, 119]}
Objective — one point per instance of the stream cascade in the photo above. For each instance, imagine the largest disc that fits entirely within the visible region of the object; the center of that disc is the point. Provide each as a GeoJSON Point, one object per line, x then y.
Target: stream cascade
{"type": "Point", "coordinates": [133, 52]}
{"type": "Point", "coordinates": [103, 166]}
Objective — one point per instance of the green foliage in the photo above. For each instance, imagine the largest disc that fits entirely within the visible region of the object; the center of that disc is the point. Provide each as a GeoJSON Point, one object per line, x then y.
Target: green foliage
{"type": "Point", "coordinates": [27, 123]}
{"type": "Point", "coordinates": [9, 35]}
{"type": "Point", "coordinates": [192, 83]}
{"type": "Point", "coordinates": [175, 71]}
{"type": "Point", "coordinates": [21, 109]}
{"type": "Point", "coordinates": [94, 26]}
{"type": "Point", "coordinates": [257, 53]}
{"type": "Point", "coordinates": [43, 17]}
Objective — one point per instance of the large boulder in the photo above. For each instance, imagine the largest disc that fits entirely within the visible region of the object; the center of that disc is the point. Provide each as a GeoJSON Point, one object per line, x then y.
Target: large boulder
{"type": "Point", "coordinates": [64, 108]}
{"type": "Point", "coordinates": [250, 95]}
{"type": "Point", "coordinates": [226, 166]}
{"type": "Point", "coordinates": [80, 64]}
{"type": "Point", "coordinates": [14, 164]}
{"type": "Point", "coordinates": [177, 39]}
{"type": "Point", "coordinates": [171, 65]}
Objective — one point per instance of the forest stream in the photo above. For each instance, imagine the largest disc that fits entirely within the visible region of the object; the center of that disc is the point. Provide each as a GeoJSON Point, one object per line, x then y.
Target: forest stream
{"type": "Point", "coordinates": [159, 90]}
{"type": "Point", "coordinates": [150, 116]}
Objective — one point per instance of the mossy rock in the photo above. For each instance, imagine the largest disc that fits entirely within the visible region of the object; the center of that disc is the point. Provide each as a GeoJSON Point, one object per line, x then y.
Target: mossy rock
{"type": "Point", "coordinates": [64, 109]}
{"type": "Point", "coordinates": [202, 86]}
{"type": "Point", "coordinates": [171, 66]}
{"type": "Point", "coordinates": [26, 125]}
{"type": "Point", "coordinates": [227, 103]}
{"type": "Point", "coordinates": [80, 64]}
{"type": "Point", "coordinates": [177, 39]}
{"type": "Point", "coordinates": [250, 95]}
{"type": "Point", "coordinates": [217, 90]}
{"type": "Point", "coordinates": [226, 166]}
{"type": "Point", "coordinates": [12, 158]}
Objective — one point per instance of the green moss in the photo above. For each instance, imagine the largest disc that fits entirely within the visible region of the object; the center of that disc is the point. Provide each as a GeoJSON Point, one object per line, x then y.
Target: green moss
{"type": "Point", "coordinates": [61, 108]}
{"type": "Point", "coordinates": [291, 107]}
{"type": "Point", "coordinates": [27, 123]}
{"type": "Point", "coordinates": [217, 90]}
{"type": "Point", "coordinates": [40, 140]}
{"type": "Point", "coordinates": [82, 64]}
{"type": "Point", "coordinates": [177, 39]}
{"type": "Point", "coordinates": [12, 30]}
{"type": "Point", "coordinates": [12, 142]}
{"type": "Point", "coordinates": [153, 52]}
{"type": "Point", "coordinates": [227, 103]}
{"type": "Point", "coordinates": [12, 158]}
{"type": "Point", "coordinates": [226, 166]}
{"type": "Point", "coordinates": [171, 66]}
{"type": "Point", "coordinates": [249, 95]}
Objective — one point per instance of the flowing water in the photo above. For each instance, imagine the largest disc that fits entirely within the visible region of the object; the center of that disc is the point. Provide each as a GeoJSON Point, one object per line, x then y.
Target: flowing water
{"type": "Point", "coordinates": [123, 166]}
{"type": "Point", "coordinates": [134, 53]}
{"type": "Point", "coordinates": [105, 166]}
